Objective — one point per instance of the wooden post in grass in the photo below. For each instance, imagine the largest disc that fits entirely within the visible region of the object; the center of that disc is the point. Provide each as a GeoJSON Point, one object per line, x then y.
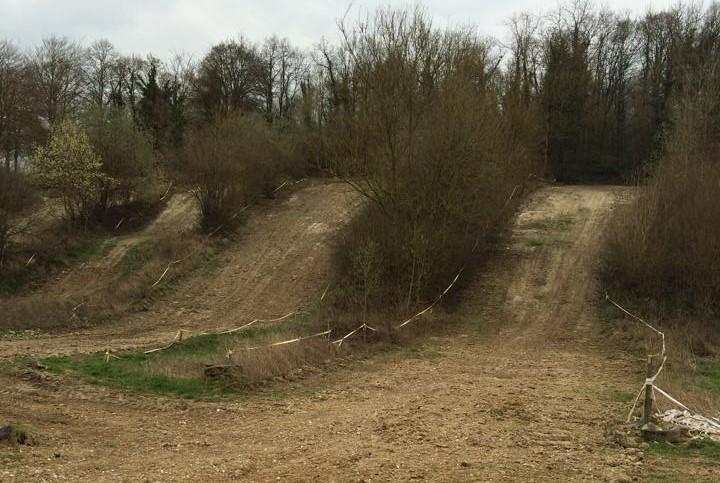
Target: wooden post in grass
{"type": "Point", "coordinates": [647, 413]}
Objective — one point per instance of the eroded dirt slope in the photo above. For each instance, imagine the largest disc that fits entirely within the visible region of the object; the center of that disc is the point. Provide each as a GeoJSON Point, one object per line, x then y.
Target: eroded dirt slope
{"type": "Point", "coordinates": [280, 262]}
{"type": "Point", "coordinates": [521, 393]}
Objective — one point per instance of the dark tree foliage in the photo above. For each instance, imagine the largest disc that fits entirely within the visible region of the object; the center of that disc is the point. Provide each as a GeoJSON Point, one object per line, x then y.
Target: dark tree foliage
{"type": "Point", "coordinates": [160, 110]}
{"type": "Point", "coordinates": [230, 79]}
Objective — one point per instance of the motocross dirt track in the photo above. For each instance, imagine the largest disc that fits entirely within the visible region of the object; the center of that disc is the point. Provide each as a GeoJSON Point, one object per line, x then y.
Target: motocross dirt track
{"type": "Point", "coordinates": [280, 263]}
{"type": "Point", "coordinates": [519, 391]}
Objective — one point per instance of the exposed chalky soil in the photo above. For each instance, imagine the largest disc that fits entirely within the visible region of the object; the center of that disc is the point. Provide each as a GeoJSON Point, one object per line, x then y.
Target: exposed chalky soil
{"type": "Point", "coordinates": [521, 390]}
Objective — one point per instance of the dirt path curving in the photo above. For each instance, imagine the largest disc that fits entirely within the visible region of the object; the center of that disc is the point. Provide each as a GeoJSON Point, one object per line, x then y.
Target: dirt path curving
{"type": "Point", "coordinates": [520, 392]}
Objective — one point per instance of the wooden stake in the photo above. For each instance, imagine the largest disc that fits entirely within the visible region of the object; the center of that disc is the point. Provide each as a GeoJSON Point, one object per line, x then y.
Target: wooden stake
{"type": "Point", "coordinates": [647, 412]}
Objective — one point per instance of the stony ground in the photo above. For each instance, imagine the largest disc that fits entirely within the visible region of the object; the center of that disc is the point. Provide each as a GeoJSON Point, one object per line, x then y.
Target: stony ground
{"type": "Point", "coordinates": [519, 388]}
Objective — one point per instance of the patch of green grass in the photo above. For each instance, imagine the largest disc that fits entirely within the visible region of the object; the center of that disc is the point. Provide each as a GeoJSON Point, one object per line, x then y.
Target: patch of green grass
{"type": "Point", "coordinates": [13, 282]}
{"type": "Point", "coordinates": [662, 477]}
{"type": "Point", "coordinates": [606, 312]}
{"type": "Point", "coordinates": [22, 432]}
{"type": "Point", "coordinates": [538, 242]}
{"type": "Point", "coordinates": [127, 373]}
{"type": "Point", "coordinates": [621, 396]}
{"type": "Point", "coordinates": [698, 448]}
{"type": "Point", "coordinates": [30, 264]}
{"type": "Point", "coordinates": [133, 370]}
{"type": "Point", "coordinates": [19, 334]}
{"type": "Point", "coordinates": [559, 223]}
{"type": "Point", "coordinates": [708, 376]}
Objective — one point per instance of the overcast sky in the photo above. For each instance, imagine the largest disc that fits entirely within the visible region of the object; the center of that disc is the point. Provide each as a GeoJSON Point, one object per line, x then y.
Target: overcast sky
{"type": "Point", "coordinates": [164, 27]}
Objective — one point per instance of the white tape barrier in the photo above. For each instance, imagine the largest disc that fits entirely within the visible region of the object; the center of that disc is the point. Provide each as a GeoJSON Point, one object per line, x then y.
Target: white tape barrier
{"type": "Point", "coordinates": [165, 272]}
{"type": "Point", "coordinates": [179, 335]}
{"type": "Point", "coordinates": [422, 312]}
{"type": "Point", "coordinates": [339, 342]}
{"type": "Point", "coordinates": [627, 312]}
{"type": "Point", "coordinates": [232, 331]}
{"type": "Point", "coordinates": [178, 338]}
{"type": "Point", "coordinates": [286, 342]}
{"type": "Point", "coordinates": [650, 381]}
{"type": "Point", "coordinates": [256, 321]}
{"type": "Point", "coordinates": [109, 355]}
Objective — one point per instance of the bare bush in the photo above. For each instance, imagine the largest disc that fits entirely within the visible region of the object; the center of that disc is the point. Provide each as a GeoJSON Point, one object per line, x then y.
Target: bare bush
{"type": "Point", "coordinates": [127, 277]}
{"type": "Point", "coordinates": [665, 246]}
{"type": "Point", "coordinates": [125, 153]}
{"type": "Point", "coordinates": [430, 149]}
{"type": "Point", "coordinates": [230, 162]}
{"type": "Point", "coordinates": [17, 196]}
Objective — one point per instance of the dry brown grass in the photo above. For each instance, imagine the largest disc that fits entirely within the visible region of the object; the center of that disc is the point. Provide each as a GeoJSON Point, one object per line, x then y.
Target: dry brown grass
{"type": "Point", "coordinates": [246, 362]}
{"type": "Point", "coordinates": [688, 374]}
{"type": "Point", "coordinates": [254, 366]}
{"type": "Point", "coordinates": [665, 246]}
{"type": "Point", "coordinates": [99, 284]}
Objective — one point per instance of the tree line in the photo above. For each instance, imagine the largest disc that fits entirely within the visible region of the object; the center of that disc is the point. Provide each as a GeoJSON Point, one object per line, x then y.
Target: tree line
{"type": "Point", "coordinates": [436, 128]}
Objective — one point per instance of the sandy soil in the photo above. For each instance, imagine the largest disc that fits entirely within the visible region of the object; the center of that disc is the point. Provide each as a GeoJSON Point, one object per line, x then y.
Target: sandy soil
{"type": "Point", "coordinates": [520, 390]}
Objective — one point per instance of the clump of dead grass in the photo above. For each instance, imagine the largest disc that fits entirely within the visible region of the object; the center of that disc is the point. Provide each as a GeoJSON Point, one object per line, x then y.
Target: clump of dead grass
{"type": "Point", "coordinates": [99, 284]}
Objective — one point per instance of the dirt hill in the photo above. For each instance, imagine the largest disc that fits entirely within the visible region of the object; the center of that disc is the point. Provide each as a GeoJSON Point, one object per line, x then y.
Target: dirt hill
{"type": "Point", "coordinates": [521, 388]}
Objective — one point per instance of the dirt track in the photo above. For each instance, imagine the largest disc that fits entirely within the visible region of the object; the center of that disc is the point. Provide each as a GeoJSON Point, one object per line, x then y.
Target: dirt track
{"type": "Point", "coordinates": [519, 392]}
{"type": "Point", "coordinates": [280, 263]}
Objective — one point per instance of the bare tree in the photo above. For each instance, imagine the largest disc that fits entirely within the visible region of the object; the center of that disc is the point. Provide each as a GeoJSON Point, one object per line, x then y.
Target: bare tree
{"type": "Point", "coordinates": [284, 68]}
{"type": "Point", "coordinates": [126, 77]}
{"type": "Point", "coordinates": [58, 78]}
{"type": "Point", "coordinates": [426, 144]}
{"type": "Point", "coordinates": [12, 101]}
{"type": "Point", "coordinates": [230, 79]}
{"type": "Point", "coordinates": [100, 60]}
{"type": "Point", "coordinates": [526, 50]}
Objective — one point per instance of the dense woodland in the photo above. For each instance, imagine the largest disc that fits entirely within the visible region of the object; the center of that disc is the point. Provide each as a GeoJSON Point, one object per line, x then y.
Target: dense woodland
{"type": "Point", "coordinates": [439, 129]}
